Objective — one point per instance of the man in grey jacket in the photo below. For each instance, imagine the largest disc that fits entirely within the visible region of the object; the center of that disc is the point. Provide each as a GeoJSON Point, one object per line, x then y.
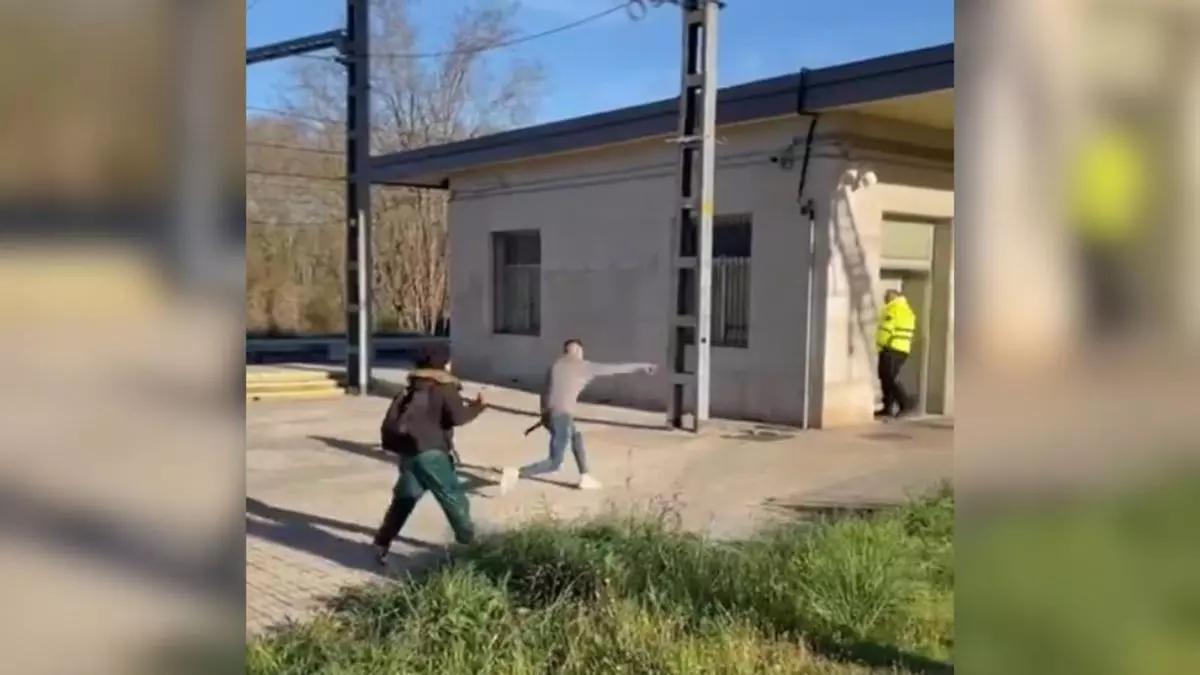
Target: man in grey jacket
{"type": "Point", "coordinates": [566, 379]}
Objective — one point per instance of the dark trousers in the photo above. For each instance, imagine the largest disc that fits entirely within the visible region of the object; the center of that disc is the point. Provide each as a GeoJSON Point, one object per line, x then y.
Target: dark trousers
{"type": "Point", "coordinates": [1107, 289]}
{"type": "Point", "coordinates": [431, 470]}
{"type": "Point", "coordinates": [890, 363]}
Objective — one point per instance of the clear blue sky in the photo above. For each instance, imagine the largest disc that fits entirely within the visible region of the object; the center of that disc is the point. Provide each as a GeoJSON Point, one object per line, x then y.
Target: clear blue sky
{"type": "Point", "coordinates": [615, 62]}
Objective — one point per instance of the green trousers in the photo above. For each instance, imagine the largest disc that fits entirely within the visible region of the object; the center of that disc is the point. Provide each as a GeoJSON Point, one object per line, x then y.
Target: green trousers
{"type": "Point", "coordinates": [431, 470]}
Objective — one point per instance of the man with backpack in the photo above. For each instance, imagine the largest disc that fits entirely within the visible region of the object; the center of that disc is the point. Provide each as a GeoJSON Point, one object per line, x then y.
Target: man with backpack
{"type": "Point", "coordinates": [419, 427]}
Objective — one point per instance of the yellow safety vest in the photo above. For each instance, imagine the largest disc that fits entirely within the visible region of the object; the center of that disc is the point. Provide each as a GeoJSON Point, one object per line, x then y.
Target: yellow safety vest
{"type": "Point", "coordinates": [1110, 187]}
{"type": "Point", "coordinates": [897, 326]}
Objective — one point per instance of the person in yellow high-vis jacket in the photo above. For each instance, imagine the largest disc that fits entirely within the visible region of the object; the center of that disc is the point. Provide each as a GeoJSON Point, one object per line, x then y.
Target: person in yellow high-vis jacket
{"type": "Point", "coordinates": [893, 339]}
{"type": "Point", "coordinates": [1111, 194]}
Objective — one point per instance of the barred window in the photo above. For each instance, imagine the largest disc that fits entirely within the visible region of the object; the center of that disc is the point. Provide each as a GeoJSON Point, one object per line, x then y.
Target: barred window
{"type": "Point", "coordinates": [517, 287]}
{"type": "Point", "coordinates": [731, 281]}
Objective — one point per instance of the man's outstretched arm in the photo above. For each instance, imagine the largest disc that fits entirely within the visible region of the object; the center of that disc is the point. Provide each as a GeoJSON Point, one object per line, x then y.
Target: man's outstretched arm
{"type": "Point", "coordinates": [604, 369]}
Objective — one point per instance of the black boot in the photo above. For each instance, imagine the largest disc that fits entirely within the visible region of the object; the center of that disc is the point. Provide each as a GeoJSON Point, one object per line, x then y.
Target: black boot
{"type": "Point", "coordinates": [380, 554]}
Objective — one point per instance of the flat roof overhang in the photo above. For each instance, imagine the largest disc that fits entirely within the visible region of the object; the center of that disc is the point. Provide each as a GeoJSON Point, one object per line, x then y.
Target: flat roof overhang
{"type": "Point", "coordinates": [865, 85]}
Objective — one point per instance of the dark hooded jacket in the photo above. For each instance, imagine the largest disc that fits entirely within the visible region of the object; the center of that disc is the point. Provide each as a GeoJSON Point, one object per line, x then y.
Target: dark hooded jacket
{"type": "Point", "coordinates": [437, 407]}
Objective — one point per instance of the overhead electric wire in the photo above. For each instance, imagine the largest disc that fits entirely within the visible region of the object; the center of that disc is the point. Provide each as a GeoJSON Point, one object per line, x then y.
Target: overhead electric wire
{"type": "Point", "coordinates": [507, 43]}
{"type": "Point", "coordinates": [629, 6]}
{"type": "Point", "coordinates": [520, 39]}
{"type": "Point", "coordinates": [296, 148]}
{"type": "Point", "coordinates": [295, 115]}
{"type": "Point", "coordinates": [287, 174]}
{"type": "Point", "coordinates": [332, 222]}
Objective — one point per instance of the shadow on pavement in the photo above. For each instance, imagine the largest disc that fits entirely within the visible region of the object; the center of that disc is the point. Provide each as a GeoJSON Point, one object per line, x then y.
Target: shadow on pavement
{"type": "Point", "coordinates": [825, 510]}
{"type": "Point", "coordinates": [315, 541]}
{"type": "Point", "coordinates": [880, 656]}
{"type": "Point", "coordinates": [255, 507]}
{"type": "Point", "coordinates": [887, 436]}
{"type": "Point", "coordinates": [479, 467]}
{"type": "Point", "coordinates": [300, 532]}
{"type": "Point", "coordinates": [585, 420]}
{"type": "Point", "coordinates": [551, 481]}
{"type": "Point", "coordinates": [760, 435]}
{"type": "Point", "coordinates": [945, 423]}
{"type": "Point", "coordinates": [471, 480]}
{"type": "Point", "coordinates": [368, 450]}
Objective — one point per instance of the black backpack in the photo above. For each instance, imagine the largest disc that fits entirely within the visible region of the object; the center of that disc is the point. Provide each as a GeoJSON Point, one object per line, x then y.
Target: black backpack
{"type": "Point", "coordinates": [395, 434]}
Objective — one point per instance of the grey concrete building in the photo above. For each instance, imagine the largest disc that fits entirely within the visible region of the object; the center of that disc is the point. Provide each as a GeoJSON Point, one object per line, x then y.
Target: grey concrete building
{"type": "Point", "coordinates": [562, 230]}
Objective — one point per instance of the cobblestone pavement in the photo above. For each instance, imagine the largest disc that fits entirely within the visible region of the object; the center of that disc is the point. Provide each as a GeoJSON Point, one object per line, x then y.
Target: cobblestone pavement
{"type": "Point", "coordinates": [317, 483]}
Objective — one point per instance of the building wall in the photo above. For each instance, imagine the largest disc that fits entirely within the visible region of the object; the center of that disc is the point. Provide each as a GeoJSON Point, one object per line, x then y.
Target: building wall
{"type": "Point", "coordinates": [914, 184]}
{"type": "Point", "coordinates": [604, 217]}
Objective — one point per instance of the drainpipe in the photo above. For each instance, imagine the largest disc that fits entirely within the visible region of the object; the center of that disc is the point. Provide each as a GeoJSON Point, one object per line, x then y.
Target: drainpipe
{"type": "Point", "coordinates": [808, 209]}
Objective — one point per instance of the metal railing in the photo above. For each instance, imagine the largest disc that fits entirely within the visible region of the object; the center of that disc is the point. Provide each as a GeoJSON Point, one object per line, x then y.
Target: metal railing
{"type": "Point", "coordinates": [333, 349]}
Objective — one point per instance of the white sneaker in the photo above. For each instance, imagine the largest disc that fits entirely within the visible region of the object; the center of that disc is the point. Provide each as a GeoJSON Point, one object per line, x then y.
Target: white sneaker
{"type": "Point", "coordinates": [586, 482]}
{"type": "Point", "coordinates": [508, 479]}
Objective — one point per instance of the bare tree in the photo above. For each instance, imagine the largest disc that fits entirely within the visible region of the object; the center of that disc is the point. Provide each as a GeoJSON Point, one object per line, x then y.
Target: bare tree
{"type": "Point", "coordinates": [465, 89]}
{"type": "Point", "coordinates": [294, 243]}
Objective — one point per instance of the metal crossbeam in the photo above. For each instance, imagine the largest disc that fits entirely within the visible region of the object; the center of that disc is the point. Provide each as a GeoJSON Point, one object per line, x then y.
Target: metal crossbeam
{"type": "Point", "coordinates": [311, 43]}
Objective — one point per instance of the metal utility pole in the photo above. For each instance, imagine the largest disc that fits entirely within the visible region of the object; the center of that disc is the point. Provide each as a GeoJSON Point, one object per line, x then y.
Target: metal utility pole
{"type": "Point", "coordinates": [355, 52]}
{"type": "Point", "coordinates": [353, 45]}
{"type": "Point", "coordinates": [692, 227]}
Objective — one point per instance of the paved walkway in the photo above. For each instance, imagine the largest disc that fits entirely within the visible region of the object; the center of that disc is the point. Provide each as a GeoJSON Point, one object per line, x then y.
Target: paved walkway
{"type": "Point", "coordinates": [317, 483]}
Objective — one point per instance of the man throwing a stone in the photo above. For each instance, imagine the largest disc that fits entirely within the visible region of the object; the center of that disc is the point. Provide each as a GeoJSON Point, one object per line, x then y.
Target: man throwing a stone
{"type": "Point", "coordinates": [566, 379]}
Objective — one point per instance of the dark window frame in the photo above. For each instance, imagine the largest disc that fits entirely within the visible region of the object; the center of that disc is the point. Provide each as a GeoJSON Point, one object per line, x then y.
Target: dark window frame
{"type": "Point", "coordinates": [516, 263]}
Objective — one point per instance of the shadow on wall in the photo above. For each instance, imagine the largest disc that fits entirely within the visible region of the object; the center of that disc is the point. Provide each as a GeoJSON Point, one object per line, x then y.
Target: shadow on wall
{"type": "Point", "coordinates": [864, 308]}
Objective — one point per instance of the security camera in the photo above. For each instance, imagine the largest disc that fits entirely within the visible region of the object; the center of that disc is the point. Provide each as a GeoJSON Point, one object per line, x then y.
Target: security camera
{"type": "Point", "coordinates": [868, 179]}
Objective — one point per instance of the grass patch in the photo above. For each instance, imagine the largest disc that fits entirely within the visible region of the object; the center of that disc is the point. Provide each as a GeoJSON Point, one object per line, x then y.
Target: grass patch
{"type": "Point", "coordinates": [635, 594]}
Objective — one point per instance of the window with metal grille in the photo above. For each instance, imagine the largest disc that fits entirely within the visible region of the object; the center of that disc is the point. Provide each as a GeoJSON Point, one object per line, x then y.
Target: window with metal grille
{"type": "Point", "coordinates": [517, 282]}
{"type": "Point", "coordinates": [731, 281]}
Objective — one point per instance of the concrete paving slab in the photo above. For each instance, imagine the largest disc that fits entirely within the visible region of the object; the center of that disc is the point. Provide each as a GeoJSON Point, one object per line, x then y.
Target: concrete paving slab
{"type": "Point", "coordinates": [317, 482]}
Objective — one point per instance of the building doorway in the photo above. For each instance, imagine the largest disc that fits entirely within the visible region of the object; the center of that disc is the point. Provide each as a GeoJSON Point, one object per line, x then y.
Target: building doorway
{"type": "Point", "coordinates": [915, 286]}
{"type": "Point", "coordinates": [917, 261]}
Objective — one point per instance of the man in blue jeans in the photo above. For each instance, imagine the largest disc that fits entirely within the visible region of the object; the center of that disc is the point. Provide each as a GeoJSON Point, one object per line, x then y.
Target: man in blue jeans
{"type": "Point", "coordinates": [566, 379]}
